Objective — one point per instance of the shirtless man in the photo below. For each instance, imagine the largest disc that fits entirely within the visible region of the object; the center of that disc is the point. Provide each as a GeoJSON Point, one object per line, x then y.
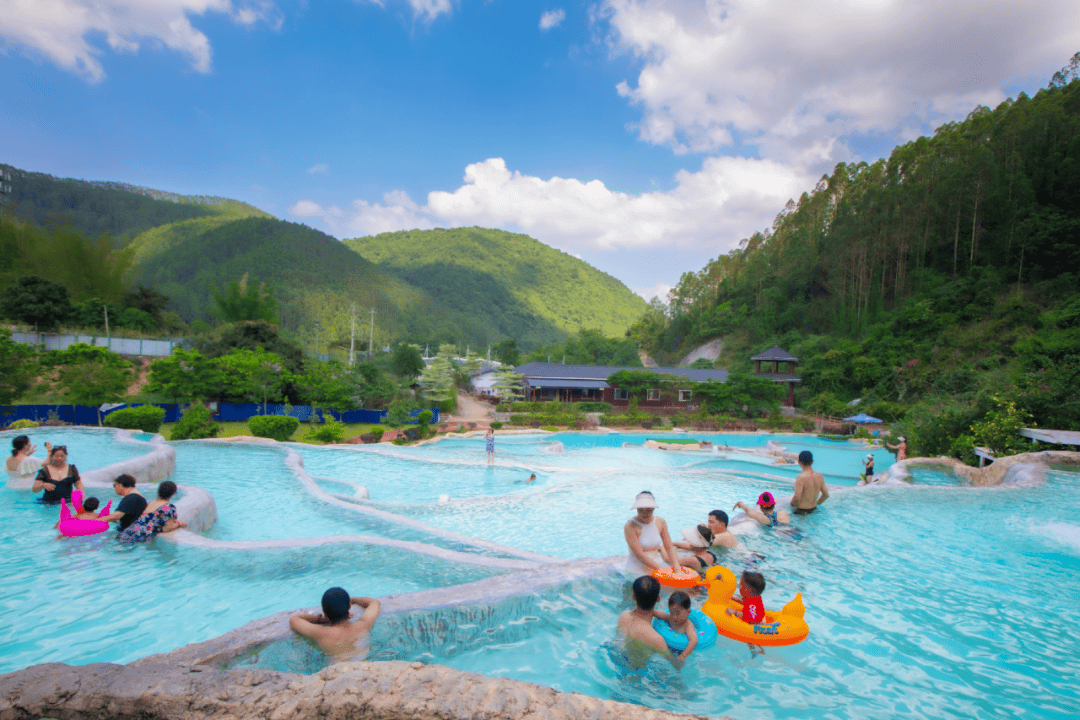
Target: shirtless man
{"type": "Point", "coordinates": [810, 490]}
{"type": "Point", "coordinates": [721, 536]}
{"type": "Point", "coordinates": [642, 640]}
{"type": "Point", "coordinates": [332, 629]}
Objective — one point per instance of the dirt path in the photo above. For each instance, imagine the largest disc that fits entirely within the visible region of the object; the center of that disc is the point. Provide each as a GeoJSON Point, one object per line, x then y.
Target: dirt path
{"type": "Point", "coordinates": [469, 410]}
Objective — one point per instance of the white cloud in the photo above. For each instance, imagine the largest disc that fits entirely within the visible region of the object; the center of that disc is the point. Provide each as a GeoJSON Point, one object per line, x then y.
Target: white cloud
{"type": "Point", "coordinates": [552, 18]}
{"type": "Point", "coordinates": [796, 77]}
{"type": "Point", "coordinates": [57, 29]}
{"type": "Point", "coordinates": [318, 168]}
{"type": "Point", "coordinates": [725, 201]}
{"type": "Point", "coordinates": [425, 9]}
{"type": "Point", "coordinates": [659, 290]}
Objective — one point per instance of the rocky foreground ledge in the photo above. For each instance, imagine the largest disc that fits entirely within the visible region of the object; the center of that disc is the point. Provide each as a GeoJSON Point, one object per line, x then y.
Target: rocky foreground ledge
{"type": "Point", "coordinates": [369, 691]}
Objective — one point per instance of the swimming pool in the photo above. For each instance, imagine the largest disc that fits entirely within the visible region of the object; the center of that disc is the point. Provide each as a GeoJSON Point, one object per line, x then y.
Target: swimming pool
{"type": "Point", "coordinates": [928, 599]}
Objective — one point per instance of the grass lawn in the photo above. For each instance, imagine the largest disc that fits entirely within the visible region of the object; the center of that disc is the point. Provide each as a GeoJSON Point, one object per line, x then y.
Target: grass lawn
{"type": "Point", "coordinates": [238, 429]}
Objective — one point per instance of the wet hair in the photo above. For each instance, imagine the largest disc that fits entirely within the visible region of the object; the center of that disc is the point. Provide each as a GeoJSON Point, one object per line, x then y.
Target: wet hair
{"type": "Point", "coordinates": [720, 515]}
{"type": "Point", "coordinates": [166, 490]}
{"type": "Point", "coordinates": [646, 592]}
{"type": "Point", "coordinates": [19, 443]}
{"type": "Point", "coordinates": [90, 504]}
{"type": "Point", "coordinates": [58, 448]}
{"type": "Point", "coordinates": [125, 481]}
{"type": "Point", "coordinates": [335, 604]}
{"type": "Point", "coordinates": [806, 457]}
{"type": "Point", "coordinates": [706, 533]}
{"type": "Point", "coordinates": [679, 598]}
{"type": "Point", "coordinates": [755, 581]}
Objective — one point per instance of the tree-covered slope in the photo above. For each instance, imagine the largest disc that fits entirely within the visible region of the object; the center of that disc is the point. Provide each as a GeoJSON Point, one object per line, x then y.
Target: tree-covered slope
{"type": "Point", "coordinates": [316, 281]}
{"type": "Point", "coordinates": [95, 207]}
{"type": "Point", "coordinates": [519, 287]}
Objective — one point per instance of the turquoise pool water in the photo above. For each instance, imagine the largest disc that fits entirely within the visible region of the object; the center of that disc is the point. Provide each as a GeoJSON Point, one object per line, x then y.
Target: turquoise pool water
{"type": "Point", "coordinates": [88, 448]}
{"type": "Point", "coordinates": [928, 599]}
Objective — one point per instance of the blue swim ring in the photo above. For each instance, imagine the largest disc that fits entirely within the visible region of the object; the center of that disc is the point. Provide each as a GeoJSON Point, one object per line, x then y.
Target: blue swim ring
{"type": "Point", "coordinates": [706, 632]}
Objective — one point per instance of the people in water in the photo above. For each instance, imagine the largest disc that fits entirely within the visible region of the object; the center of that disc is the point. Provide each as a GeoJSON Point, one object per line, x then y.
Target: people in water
{"type": "Point", "coordinates": [900, 448]}
{"type": "Point", "coordinates": [489, 440]}
{"type": "Point", "coordinates": [721, 536]}
{"type": "Point", "coordinates": [132, 503]}
{"type": "Point", "coordinates": [159, 517]}
{"type": "Point", "coordinates": [697, 541]}
{"type": "Point", "coordinates": [868, 469]}
{"type": "Point", "coordinates": [647, 538]}
{"type": "Point", "coordinates": [678, 617]}
{"type": "Point", "coordinates": [332, 629]}
{"type": "Point", "coordinates": [642, 640]}
{"type": "Point", "coordinates": [21, 465]}
{"type": "Point", "coordinates": [810, 490]}
{"type": "Point", "coordinates": [57, 477]}
{"type": "Point", "coordinates": [766, 512]}
{"type": "Point", "coordinates": [751, 587]}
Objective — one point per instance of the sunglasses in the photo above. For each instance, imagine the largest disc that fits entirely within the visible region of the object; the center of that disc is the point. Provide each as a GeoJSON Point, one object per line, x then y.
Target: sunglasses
{"type": "Point", "coordinates": [57, 448]}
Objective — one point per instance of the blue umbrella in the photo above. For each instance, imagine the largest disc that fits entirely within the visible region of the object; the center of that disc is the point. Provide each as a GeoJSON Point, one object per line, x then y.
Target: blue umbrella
{"type": "Point", "coordinates": [862, 418]}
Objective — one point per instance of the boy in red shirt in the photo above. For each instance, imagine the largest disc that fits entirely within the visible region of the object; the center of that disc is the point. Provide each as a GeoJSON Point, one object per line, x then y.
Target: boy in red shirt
{"type": "Point", "coordinates": [751, 585]}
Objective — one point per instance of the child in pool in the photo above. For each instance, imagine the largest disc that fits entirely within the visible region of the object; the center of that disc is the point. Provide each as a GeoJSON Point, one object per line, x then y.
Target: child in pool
{"type": "Point", "coordinates": [89, 511]}
{"type": "Point", "coordinates": [678, 617]}
{"type": "Point", "coordinates": [751, 585]}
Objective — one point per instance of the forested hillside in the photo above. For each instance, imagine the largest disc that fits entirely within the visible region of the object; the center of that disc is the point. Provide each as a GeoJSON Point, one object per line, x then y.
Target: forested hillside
{"type": "Point", "coordinates": [95, 207]}
{"type": "Point", "coordinates": [939, 285]}
{"type": "Point", "coordinates": [517, 286]}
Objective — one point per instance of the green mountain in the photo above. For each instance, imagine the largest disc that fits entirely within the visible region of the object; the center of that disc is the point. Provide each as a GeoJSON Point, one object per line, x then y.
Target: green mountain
{"type": "Point", "coordinates": [96, 207]}
{"type": "Point", "coordinates": [940, 286]}
{"type": "Point", "coordinates": [515, 286]}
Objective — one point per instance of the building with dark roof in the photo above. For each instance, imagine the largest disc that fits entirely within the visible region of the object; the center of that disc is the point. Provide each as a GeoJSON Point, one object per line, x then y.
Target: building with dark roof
{"type": "Point", "coordinates": [776, 356]}
{"type": "Point", "coordinates": [577, 383]}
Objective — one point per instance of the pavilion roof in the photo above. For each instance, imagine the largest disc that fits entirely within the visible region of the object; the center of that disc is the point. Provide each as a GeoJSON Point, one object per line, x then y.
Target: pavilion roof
{"type": "Point", "coordinates": [776, 353]}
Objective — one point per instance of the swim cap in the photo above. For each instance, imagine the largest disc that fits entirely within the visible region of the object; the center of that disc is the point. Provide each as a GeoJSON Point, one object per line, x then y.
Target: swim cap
{"type": "Point", "coordinates": [766, 498]}
{"type": "Point", "coordinates": [806, 457]}
{"type": "Point", "coordinates": [335, 604]}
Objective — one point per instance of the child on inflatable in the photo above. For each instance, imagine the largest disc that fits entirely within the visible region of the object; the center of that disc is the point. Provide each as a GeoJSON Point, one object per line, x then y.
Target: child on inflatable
{"type": "Point", "coordinates": [678, 617]}
{"type": "Point", "coordinates": [751, 585]}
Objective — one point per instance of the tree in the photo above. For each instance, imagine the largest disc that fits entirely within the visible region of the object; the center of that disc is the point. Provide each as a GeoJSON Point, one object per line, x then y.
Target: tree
{"type": "Point", "coordinates": [17, 368]}
{"type": "Point", "coordinates": [702, 364]}
{"type": "Point", "coordinates": [37, 302]}
{"type": "Point", "coordinates": [437, 381]}
{"type": "Point", "coordinates": [186, 376]}
{"type": "Point", "coordinates": [636, 382]}
{"type": "Point", "coordinates": [89, 375]}
{"type": "Point", "coordinates": [406, 361]}
{"type": "Point", "coordinates": [244, 301]}
{"type": "Point", "coordinates": [254, 375]}
{"type": "Point", "coordinates": [331, 385]}
{"type": "Point", "coordinates": [507, 352]}
{"type": "Point", "coordinates": [148, 300]}
{"type": "Point", "coordinates": [400, 413]}
{"type": "Point", "coordinates": [253, 335]}
{"type": "Point", "coordinates": [508, 385]}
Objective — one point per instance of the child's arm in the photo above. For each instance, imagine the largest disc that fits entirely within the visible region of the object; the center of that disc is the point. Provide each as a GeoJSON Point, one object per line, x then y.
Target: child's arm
{"type": "Point", "coordinates": [662, 615]}
{"type": "Point", "coordinates": [691, 641]}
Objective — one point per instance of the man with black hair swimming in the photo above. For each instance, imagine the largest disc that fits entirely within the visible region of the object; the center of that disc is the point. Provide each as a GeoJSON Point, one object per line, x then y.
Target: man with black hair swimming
{"type": "Point", "coordinates": [635, 625]}
{"type": "Point", "coordinates": [810, 490]}
{"type": "Point", "coordinates": [332, 630]}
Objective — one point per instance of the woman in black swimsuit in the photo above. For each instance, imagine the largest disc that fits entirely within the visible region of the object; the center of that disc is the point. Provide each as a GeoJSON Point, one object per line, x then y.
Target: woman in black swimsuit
{"type": "Point", "coordinates": [57, 478]}
{"type": "Point", "coordinates": [698, 540]}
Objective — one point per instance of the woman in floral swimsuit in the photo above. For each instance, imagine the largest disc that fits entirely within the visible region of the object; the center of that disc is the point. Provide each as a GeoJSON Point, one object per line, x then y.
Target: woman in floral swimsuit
{"type": "Point", "coordinates": [160, 516]}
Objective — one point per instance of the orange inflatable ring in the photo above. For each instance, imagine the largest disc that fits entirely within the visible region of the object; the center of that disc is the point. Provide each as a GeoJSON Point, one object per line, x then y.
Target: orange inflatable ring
{"type": "Point", "coordinates": [781, 627]}
{"type": "Point", "coordinates": [684, 578]}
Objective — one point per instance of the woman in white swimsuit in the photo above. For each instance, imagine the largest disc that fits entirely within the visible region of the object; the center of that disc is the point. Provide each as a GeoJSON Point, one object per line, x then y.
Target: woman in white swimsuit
{"type": "Point", "coordinates": [647, 538]}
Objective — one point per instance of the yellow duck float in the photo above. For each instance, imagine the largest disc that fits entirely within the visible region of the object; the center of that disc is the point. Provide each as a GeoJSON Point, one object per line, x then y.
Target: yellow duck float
{"type": "Point", "coordinates": [783, 627]}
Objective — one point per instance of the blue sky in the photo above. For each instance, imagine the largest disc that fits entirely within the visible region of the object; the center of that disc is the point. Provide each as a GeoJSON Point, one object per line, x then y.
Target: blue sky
{"type": "Point", "coordinates": [644, 136]}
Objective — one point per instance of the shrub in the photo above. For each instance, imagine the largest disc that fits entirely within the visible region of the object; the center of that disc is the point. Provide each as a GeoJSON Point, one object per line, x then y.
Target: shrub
{"type": "Point", "coordinates": [23, 424]}
{"type": "Point", "coordinates": [647, 424]}
{"type": "Point", "coordinates": [277, 427]}
{"type": "Point", "coordinates": [330, 431]}
{"type": "Point", "coordinates": [196, 424]}
{"type": "Point", "coordinates": [147, 418]}
{"type": "Point", "coordinates": [588, 406]}
{"type": "Point", "coordinates": [534, 423]}
{"type": "Point", "coordinates": [368, 438]}
{"type": "Point", "coordinates": [399, 414]}
{"type": "Point", "coordinates": [496, 425]}
{"type": "Point", "coordinates": [550, 428]}
{"type": "Point", "coordinates": [378, 433]}
{"type": "Point", "coordinates": [472, 426]}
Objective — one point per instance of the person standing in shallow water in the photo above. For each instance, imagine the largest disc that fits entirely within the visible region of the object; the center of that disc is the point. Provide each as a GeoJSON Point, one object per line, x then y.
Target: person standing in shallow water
{"type": "Point", "coordinates": [810, 490]}
{"type": "Point", "coordinates": [57, 478]}
{"type": "Point", "coordinates": [332, 630]}
{"type": "Point", "coordinates": [489, 439]}
{"type": "Point", "coordinates": [901, 449]}
{"type": "Point", "coordinates": [647, 538]}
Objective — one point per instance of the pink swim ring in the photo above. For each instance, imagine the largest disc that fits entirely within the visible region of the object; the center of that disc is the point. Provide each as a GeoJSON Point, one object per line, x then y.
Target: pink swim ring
{"type": "Point", "coordinates": [74, 527]}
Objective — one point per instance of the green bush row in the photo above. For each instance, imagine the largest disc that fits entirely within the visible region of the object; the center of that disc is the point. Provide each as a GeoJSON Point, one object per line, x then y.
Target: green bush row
{"type": "Point", "coordinates": [197, 423]}
{"type": "Point", "coordinates": [147, 418]}
{"type": "Point", "coordinates": [277, 427]}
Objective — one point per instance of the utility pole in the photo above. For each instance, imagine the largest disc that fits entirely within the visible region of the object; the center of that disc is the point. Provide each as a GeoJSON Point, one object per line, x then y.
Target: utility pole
{"type": "Point", "coordinates": [371, 336]}
{"type": "Point", "coordinates": [352, 334]}
{"type": "Point", "coordinates": [318, 326]}
{"type": "Point", "coordinates": [108, 340]}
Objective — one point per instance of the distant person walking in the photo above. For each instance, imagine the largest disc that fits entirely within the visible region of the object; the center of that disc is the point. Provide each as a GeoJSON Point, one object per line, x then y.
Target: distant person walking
{"type": "Point", "coordinates": [489, 438]}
